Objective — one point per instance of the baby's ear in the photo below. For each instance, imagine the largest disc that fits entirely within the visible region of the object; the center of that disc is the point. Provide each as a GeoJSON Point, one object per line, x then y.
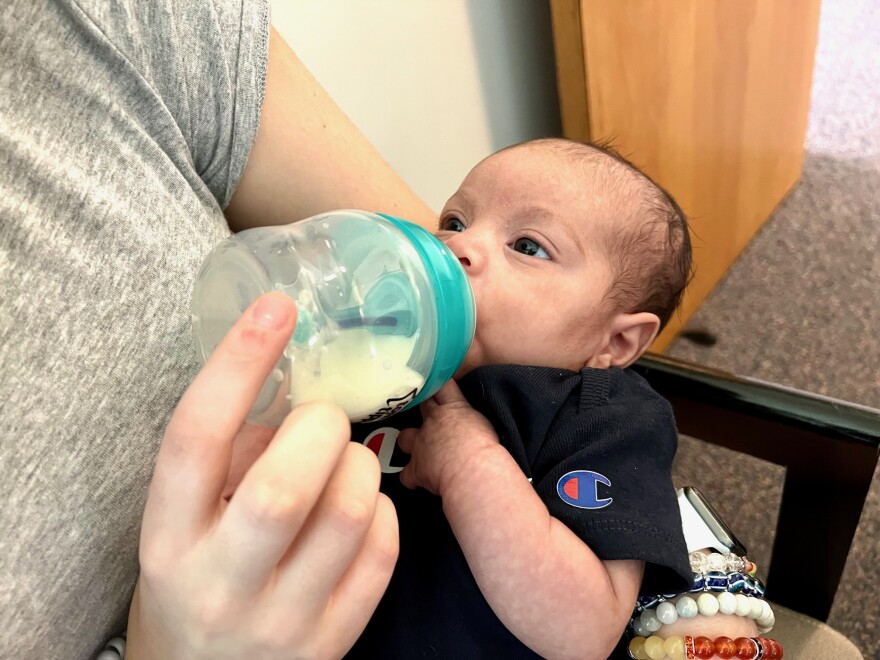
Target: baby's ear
{"type": "Point", "coordinates": [630, 336]}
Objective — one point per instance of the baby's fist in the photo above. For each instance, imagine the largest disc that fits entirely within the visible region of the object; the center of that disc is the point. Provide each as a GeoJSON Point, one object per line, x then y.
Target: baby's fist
{"type": "Point", "coordinates": [452, 432]}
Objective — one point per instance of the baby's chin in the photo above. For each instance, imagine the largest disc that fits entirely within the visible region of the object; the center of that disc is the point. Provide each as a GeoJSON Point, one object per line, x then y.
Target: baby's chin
{"type": "Point", "coordinates": [478, 358]}
{"type": "Point", "coordinates": [471, 361]}
{"type": "Point", "coordinates": [463, 370]}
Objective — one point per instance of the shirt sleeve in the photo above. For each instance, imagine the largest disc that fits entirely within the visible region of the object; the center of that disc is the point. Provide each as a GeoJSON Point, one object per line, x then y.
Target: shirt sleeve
{"type": "Point", "coordinates": [598, 446]}
{"type": "Point", "coordinates": [206, 63]}
{"type": "Point", "coordinates": [606, 472]}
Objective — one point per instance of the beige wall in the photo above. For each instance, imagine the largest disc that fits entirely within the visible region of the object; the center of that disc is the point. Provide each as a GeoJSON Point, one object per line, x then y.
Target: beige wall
{"type": "Point", "coordinates": [435, 84]}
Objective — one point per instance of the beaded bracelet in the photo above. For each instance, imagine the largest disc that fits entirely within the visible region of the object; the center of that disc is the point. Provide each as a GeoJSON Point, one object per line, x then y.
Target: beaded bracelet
{"type": "Point", "coordinates": [114, 649]}
{"type": "Point", "coordinates": [715, 572]}
{"type": "Point", "coordinates": [735, 583]}
{"type": "Point", "coordinates": [716, 561]}
{"type": "Point", "coordinates": [679, 648]}
{"type": "Point", "coordinates": [707, 604]}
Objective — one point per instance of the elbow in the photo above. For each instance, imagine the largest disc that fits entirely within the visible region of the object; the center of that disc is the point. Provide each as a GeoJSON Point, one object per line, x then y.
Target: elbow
{"type": "Point", "coordinates": [588, 641]}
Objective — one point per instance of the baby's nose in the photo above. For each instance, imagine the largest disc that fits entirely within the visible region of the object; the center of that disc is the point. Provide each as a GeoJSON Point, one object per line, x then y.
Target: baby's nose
{"type": "Point", "coordinates": [469, 250]}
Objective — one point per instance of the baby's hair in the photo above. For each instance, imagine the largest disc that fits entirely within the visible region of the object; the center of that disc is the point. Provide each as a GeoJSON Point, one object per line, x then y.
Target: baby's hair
{"type": "Point", "coordinates": [650, 250]}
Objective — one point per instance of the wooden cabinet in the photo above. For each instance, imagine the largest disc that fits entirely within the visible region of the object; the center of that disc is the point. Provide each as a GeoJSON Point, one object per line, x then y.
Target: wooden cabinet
{"type": "Point", "coordinates": [709, 97]}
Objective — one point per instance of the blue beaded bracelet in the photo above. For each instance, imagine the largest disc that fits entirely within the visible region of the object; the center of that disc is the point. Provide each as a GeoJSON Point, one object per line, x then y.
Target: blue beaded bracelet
{"type": "Point", "coordinates": [733, 582]}
{"type": "Point", "coordinates": [716, 581]}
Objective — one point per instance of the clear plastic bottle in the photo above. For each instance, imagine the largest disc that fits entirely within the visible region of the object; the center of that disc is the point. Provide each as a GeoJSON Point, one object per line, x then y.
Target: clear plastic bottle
{"type": "Point", "coordinates": [386, 313]}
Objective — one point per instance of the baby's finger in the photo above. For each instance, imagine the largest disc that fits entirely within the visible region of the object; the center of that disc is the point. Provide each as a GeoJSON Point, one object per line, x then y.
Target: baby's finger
{"type": "Point", "coordinates": [334, 533]}
{"type": "Point", "coordinates": [408, 476]}
{"type": "Point", "coordinates": [406, 440]}
{"type": "Point", "coordinates": [449, 393]}
{"type": "Point", "coordinates": [193, 460]}
{"type": "Point", "coordinates": [277, 495]}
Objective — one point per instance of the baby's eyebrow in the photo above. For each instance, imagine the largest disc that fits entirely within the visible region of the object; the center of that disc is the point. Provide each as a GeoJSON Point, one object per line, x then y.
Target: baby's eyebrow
{"type": "Point", "coordinates": [547, 215]}
{"type": "Point", "coordinates": [460, 198]}
{"type": "Point", "coordinates": [541, 211]}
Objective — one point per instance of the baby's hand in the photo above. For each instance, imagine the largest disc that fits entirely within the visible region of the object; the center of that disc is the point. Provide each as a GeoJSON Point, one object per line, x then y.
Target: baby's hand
{"type": "Point", "coordinates": [451, 435]}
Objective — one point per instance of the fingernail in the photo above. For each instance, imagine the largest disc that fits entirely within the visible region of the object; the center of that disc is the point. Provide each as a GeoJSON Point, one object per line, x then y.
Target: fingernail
{"type": "Point", "coordinates": [272, 312]}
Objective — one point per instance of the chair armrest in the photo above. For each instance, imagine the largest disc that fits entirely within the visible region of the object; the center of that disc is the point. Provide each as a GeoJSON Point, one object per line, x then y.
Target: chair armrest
{"type": "Point", "coordinates": [829, 448]}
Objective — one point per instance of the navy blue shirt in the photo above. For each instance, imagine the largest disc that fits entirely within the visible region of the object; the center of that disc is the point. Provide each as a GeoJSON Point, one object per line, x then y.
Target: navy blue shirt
{"type": "Point", "coordinates": [598, 446]}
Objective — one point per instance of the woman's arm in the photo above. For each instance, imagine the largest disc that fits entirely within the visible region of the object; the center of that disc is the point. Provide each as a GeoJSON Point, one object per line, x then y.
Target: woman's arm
{"type": "Point", "coordinates": [308, 157]}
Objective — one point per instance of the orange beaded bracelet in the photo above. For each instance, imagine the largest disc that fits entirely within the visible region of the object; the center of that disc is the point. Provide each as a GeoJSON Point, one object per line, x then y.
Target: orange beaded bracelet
{"type": "Point", "coordinates": [690, 648]}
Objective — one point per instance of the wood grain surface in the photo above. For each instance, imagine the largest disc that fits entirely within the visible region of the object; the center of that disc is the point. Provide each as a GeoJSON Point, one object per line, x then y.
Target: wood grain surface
{"type": "Point", "coordinates": [709, 97]}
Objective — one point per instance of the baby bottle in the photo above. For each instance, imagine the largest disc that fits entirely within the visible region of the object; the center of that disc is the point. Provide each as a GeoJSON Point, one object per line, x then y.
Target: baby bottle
{"type": "Point", "coordinates": [386, 313]}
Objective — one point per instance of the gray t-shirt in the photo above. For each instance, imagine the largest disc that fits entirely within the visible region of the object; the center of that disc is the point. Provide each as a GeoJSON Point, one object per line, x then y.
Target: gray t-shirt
{"type": "Point", "coordinates": [124, 129]}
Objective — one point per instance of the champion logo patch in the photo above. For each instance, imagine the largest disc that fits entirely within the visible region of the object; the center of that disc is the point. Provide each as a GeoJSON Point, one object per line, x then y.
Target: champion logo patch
{"type": "Point", "coordinates": [382, 442]}
{"type": "Point", "coordinates": [580, 488]}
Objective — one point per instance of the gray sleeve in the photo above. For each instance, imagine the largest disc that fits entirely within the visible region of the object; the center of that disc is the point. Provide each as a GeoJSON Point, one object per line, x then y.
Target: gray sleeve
{"type": "Point", "coordinates": [206, 61]}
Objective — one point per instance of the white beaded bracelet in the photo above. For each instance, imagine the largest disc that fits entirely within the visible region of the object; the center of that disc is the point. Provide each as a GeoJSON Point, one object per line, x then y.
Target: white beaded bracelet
{"type": "Point", "coordinates": [706, 604]}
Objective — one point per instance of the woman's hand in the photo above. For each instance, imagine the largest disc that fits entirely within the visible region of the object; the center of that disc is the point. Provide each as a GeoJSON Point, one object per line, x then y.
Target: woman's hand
{"type": "Point", "coordinates": [294, 563]}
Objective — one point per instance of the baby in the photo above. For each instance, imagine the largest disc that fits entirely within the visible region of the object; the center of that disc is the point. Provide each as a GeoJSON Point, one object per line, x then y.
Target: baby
{"type": "Point", "coordinates": [536, 502]}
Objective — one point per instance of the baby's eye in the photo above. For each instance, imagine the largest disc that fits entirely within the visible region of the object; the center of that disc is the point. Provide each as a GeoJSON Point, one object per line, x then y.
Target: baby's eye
{"type": "Point", "coordinates": [529, 247]}
{"type": "Point", "coordinates": [453, 224]}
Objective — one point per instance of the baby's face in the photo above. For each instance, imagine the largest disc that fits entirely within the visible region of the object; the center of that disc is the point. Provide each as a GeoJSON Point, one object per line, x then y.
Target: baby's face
{"type": "Point", "coordinates": [528, 234]}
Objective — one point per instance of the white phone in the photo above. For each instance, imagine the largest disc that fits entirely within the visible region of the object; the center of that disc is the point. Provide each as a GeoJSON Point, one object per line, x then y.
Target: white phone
{"type": "Point", "coordinates": [703, 527]}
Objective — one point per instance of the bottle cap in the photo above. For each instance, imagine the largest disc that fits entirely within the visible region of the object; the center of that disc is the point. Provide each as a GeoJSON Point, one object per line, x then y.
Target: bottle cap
{"type": "Point", "coordinates": [456, 308]}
